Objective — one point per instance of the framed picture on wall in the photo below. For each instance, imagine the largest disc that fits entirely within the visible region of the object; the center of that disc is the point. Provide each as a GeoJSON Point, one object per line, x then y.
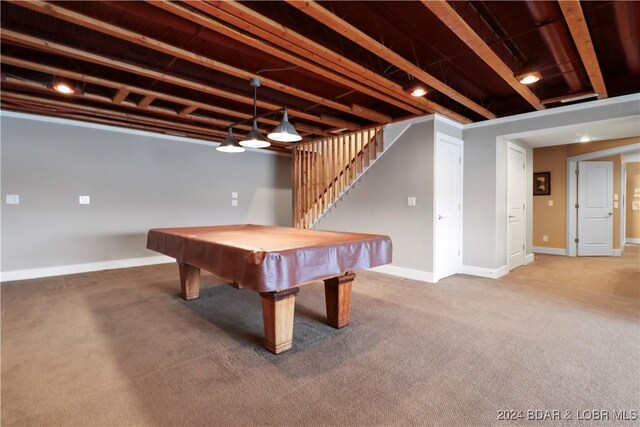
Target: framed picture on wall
{"type": "Point", "coordinates": [542, 183]}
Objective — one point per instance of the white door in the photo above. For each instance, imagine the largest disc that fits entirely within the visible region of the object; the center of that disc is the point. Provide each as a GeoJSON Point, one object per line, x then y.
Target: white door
{"type": "Point", "coordinates": [447, 248]}
{"type": "Point", "coordinates": [595, 208]}
{"type": "Point", "coordinates": [516, 205]}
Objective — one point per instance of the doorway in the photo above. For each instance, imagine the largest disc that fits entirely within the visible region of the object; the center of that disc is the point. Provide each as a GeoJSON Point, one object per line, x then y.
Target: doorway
{"type": "Point", "coordinates": [595, 208]}
{"type": "Point", "coordinates": [516, 206]}
{"type": "Point", "coordinates": [447, 221]}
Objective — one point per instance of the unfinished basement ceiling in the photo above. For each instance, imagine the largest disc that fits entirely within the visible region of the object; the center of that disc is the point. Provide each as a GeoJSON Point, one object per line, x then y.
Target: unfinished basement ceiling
{"type": "Point", "coordinates": [184, 67]}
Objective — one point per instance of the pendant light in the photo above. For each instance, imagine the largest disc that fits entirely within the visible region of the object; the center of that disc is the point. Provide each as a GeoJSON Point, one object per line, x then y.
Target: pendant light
{"type": "Point", "coordinates": [230, 145]}
{"type": "Point", "coordinates": [285, 132]}
{"type": "Point", "coordinates": [254, 138]}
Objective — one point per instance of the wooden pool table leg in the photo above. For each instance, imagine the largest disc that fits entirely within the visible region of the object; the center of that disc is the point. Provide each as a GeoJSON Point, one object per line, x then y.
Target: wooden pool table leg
{"type": "Point", "coordinates": [189, 281]}
{"type": "Point", "coordinates": [337, 295]}
{"type": "Point", "coordinates": [277, 314]}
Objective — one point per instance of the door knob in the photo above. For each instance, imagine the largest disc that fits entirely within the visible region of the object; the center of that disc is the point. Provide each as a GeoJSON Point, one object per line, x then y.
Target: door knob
{"type": "Point", "coordinates": [441, 217]}
{"type": "Point", "coordinates": [511, 216]}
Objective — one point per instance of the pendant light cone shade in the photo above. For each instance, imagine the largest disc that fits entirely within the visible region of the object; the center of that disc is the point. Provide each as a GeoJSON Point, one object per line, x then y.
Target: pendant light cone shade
{"type": "Point", "coordinates": [254, 138]}
{"type": "Point", "coordinates": [230, 145]}
{"type": "Point", "coordinates": [285, 132]}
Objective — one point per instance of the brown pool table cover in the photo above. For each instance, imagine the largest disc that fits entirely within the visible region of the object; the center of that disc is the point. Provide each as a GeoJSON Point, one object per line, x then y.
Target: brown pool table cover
{"type": "Point", "coordinates": [267, 258]}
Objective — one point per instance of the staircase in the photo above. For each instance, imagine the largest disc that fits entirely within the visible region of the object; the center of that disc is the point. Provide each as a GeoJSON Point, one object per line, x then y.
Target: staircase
{"type": "Point", "coordinates": [324, 169]}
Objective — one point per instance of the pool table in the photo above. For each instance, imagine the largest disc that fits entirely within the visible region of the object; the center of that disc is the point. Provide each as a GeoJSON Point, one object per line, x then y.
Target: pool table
{"type": "Point", "coordinates": [274, 261]}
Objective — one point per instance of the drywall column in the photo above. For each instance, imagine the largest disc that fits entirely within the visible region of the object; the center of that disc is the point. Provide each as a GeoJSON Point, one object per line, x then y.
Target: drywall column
{"type": "Point", "coordinates": [377, 203]}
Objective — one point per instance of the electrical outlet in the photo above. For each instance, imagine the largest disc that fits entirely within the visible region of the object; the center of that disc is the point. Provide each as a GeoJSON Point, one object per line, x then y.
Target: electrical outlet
{"type": "Point", "coordinates": [411, 201]}
{"type": "Point", "coordinates": [234, 194]}
{"type": "Point", "coordinates": [550, 203]}
{"type": "Point", "coordinates": [545, 238]}
{"type": "Point", "coordinates": [234, 202]}
{"type": "Point", "coordinates": [84, 200]}
{"type": "Point", "coordinates": [13, 199]}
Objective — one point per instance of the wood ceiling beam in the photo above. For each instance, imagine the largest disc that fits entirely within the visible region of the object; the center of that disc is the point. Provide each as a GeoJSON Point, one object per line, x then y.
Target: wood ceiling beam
{"type": "Point", "coordinates": [574, 16]}
{"type": "Point", "coordinates": [23, 84]}
{"type": "Point", "coordinates": [241, 16]}
{"type": "Point", "coordinates": [120, 95]}
{"type": "Point", "coordinates": [59, 49]}
{"type": "Point", "coordinates": [277, 52]}
{"type": "Point", "coordinates": [459, 27]}
{"type": "Point", "coordinates": [135, 118]}
{"type": "Point", "coordinates": [7, 104]}
{"type": "Point", "coordinates": [145, 101]}
{"type": "Point", "coordinates": [345, 29]}
{"type": "Point", "coordinates": [101, 120]}
{"type": "Point", "coordinates": [58, 12]}
{"type": "Point", "coordinates": [187, 110]}
{"type": "Point", "coordinates": [56, 71]}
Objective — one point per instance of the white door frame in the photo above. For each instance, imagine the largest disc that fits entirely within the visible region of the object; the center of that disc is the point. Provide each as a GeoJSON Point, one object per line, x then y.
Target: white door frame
{"type": "Point", "coordinates": [516, 147]}
{"type": "Point", "coordinates": [441, 137]}
{"type": "Point", "coordinates": [572, 193]}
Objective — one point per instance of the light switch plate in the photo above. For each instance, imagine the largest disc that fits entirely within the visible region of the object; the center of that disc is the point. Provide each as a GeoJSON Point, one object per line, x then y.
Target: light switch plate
{"type": "Point", "coordinates": [13, 199]}
{"type": "Point", "coordinates": [615, 205]}
{"type": "Point", "coordinates": [545, 238]}
{"type": "Point", "coordinates": [234, 194]}
{"type": "Point", "coordinates": [234, 202]}
{"type": "Point", "coordinates": [615, 196]}
{"type": "Point", "coordinates": [411, 201]}
{"type": "Point", "coordinates": [550, 203]}
{"type": "Point", "coordinates": [84, 200]}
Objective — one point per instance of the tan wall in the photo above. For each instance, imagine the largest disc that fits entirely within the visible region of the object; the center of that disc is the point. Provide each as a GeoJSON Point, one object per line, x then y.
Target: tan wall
{"type": "Point", "coordinates": [633, 217]}
{"type": "Point", "coordinates": [551, 220]}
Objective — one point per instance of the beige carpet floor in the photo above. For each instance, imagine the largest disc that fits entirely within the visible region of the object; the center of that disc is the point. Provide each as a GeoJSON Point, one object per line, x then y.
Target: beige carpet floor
{"type": "Point", "coordinates": [121, 348]}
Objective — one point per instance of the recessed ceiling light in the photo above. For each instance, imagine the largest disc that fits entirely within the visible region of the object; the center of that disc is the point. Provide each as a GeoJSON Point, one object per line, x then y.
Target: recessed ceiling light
{"type": "Point", "coordinates": [529, 78]}
{"type": "Point", "coordinates": [418, 91]}
{"type": "Point", "coordinates": [584, 138]}
{"type": "Point", "coordinates": [64, 86]}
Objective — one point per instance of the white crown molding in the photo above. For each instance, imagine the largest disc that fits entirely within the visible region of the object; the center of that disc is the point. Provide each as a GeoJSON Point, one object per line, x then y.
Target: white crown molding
{"type": "Point", "coordinates": [558, 110]}
{"type": "Point", "coordinates": [449, 121]}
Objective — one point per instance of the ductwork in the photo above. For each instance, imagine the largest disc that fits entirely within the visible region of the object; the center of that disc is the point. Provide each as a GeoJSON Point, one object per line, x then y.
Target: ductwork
{"type": "Point", "coordinates": [627, 22]}
{"type": "Point", "coordinates": [557, 40]}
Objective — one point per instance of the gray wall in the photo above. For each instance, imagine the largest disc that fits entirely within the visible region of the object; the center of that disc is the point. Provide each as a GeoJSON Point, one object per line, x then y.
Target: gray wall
{"type": "Point", "coordinates": [135, 181]}
{"type": "Point", "coordinates": [378, 202]}
{"type": "Point", "coordinates": [485, 174]}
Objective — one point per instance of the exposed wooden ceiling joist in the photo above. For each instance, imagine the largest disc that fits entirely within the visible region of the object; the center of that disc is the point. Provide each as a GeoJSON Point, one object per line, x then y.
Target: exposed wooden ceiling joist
{"type": "Point", "coordinates": [239, 15]}
{"type": "Point", "coordinates": [159, 46]}
{"type": "Point", "coordinates": [28, 108]}
{"type": "Point", "coordinates": [575, 19]}
{"type": "Point", "coordinates": [120, 95]}
{"type": "Point", "coordinates": [319, 13]}
{"type": "Point", "coordinates": [59, 49]}
{"type": "Point", "coordinates": [134, 118]}
{"type": "Point", "coordinates": [254, 42]}
{"type": "Point", "coordinates": [185, 112]}
{"type": "Point", "coordinates": [459, 27]}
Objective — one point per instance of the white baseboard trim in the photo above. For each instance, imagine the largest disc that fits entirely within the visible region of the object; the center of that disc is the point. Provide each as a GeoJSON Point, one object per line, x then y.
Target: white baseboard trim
{"type": "Point", "coordinates": [549, 251]}
{"type": "Point", "coordinates": [492, 273]}
{"type": "Point", "coordinates": [407, 273]}
{"type": "Point", "coordinates": [528, 259]}
{"type": "Point", "coordinates": [617, 252]}
{"type": "Point", "coordinates": [36, 273]}
{"type": "Point", "coordinates": [632, 240]}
